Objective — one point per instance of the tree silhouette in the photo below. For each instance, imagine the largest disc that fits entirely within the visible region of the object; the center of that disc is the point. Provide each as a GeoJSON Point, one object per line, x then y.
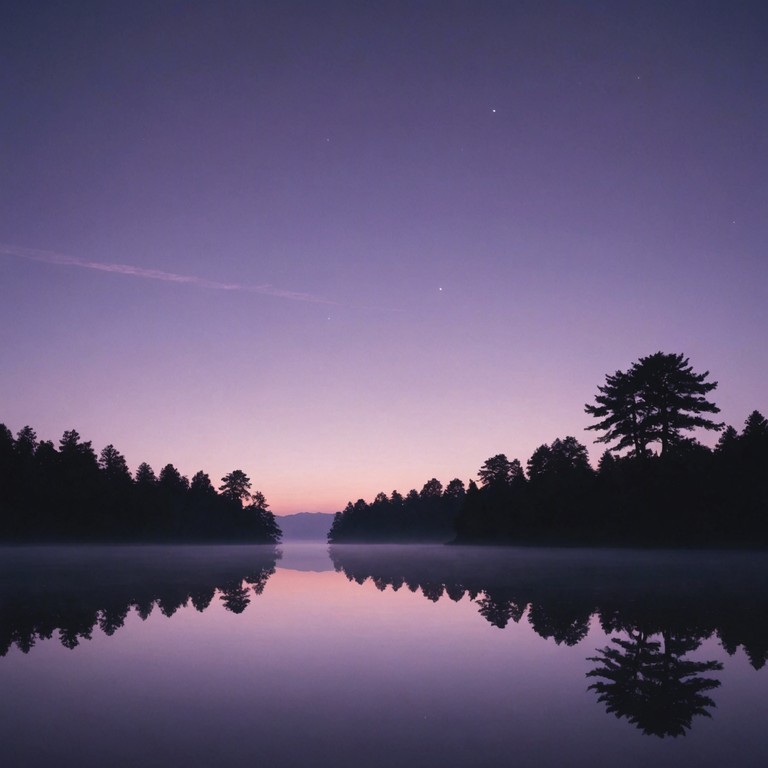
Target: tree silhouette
{"type": "Point", "coordinates": [77, 480]}
{"type": "Point", "coordinates": [432, 489]}
{"type": "Point", "coordinates": [236, 486]}
{"type": "Point", "coordinates": [499, 470]}
{"type": "Point", "coordinates": [756, 427]}
{"type": "Point", "coordinates": [116, 491]}
{"type": "Point", "coordinates": [201, 484]}
{"type": "Point", "coordinates": [172, 480]}
{"type": "Point", "coordinates": [262, 518]}
{"type": "Point", "coordinates": [649, 683]}
{"type": "Point", "coordinates": [654, 402]}
{"type": "Point", "coordinates": [26, 442]}
{"type": "Point", "coordinates": [619, 407]}
{"type": "Point", "coordinates": [113, 465]}
{"type": "Point", "coordinates": [145, 475]}
{"type": "Point", "coordinates": [560, 459]}
{"type": "Point", "coordinates": [454, 491]}
{"type": "Point", "coordinates": [728, 441]}
{"type": "Point", "coordinates": [754, 441]}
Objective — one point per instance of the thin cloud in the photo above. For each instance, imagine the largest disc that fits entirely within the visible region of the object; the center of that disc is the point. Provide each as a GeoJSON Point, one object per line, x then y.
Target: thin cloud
{"type": "Point", "coordinates": [50, 257]}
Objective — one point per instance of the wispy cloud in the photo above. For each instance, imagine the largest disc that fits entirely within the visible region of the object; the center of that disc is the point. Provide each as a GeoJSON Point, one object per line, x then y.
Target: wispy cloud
{"type": "Point", "coordinates": [51, 257]}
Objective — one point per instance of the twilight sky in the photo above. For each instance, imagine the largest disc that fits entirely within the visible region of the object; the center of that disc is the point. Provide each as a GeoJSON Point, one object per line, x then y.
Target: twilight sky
{"type": "Point", "coordinates": [350, 246]}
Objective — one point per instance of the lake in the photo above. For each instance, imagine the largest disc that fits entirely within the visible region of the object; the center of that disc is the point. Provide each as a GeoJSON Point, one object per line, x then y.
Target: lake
{"type": "Point", "coordinates": [381, 656]}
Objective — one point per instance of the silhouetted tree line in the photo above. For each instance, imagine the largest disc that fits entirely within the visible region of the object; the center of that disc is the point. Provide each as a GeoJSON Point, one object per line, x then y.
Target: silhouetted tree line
{"type": "Point", "coordinates": [425, 515]}
{"type": "Point", "coordinates": [74, 591]}
{"type": "Point", "coordinates": [660, 611]}
{"type": "Point", "coordinates": [689, 496]}
{"type": "Point", "coordinates": [70, 493]}
{"type": "Point", "coordinates": [682, 494]}
{"type": "Point", "coordinates": [551, 501]}
{"type": "Point", "coordinates": [654, 486]}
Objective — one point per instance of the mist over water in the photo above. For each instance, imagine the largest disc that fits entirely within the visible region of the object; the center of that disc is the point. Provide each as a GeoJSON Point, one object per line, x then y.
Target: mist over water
{"type": "Point", "coordinates": [380, 656]}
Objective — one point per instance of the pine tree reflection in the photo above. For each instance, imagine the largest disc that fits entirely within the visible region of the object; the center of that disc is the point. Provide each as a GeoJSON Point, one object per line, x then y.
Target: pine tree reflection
{"type": "Point", "coordinates": [433, 591]}
{"type": "Point", "coordinates": [258, 578]}
{"type": "Point", "coordinates": [661, 606]}
{"type": "Point", "coordinates": [499, 611]}
{"type": "Point", "coordinates": [112, 618]}
{"type": "Point", "coordinates": [201, 597]}
{"type": "Point", "coordinates": [567, 625]}
{"type": "Point", "coordinates": [752, 636]}
{"type": "Point", "coordinates": [454, 591]}
{"type": "Point", "coordinates": [171, 599]}
{"type": "Point", "coordinates": [73, 591]}
{"type": "Point", "coordinates": [144, 607]}
{"type": "Point", "coordinates": [235, 597]}
{"type": "Point", "coordinates": [650, 683]}
{"type": "Point", "coordinates": [76, 624]}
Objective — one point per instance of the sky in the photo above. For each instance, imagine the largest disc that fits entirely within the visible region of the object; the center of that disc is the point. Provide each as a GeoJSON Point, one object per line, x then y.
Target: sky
{"type": "Point", "coordinates": [347, 247]}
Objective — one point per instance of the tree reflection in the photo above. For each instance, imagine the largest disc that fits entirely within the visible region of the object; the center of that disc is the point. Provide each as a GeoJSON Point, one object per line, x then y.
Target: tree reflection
{"type": "Point", "coordinates": [112, 618]}
{"type": "Point", "coordinates": [71, 592]}
{"type": "Point", "coordinates": [499, 611]}
{"type": "Point", "coordinates": [236, 597]}
{"type": "Point", "coordinates": [567, 625]}
{"type": "Point", "coordinates": [663, 605]}
{"type": "Point", "coordinates": [201, 597]}
{"type": "Point", "coordinates": [649, 681]}
{"type": "Point", "coordinates": [76, 624]}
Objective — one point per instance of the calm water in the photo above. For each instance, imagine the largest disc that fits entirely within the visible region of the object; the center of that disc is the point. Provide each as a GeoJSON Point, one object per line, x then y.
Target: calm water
{"type": "Point", "coordinates": [381, 656]}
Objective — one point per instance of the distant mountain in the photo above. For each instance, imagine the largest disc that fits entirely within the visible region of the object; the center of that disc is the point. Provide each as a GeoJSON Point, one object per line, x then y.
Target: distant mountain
{"type": "Point", "coordinates": [305, 526]}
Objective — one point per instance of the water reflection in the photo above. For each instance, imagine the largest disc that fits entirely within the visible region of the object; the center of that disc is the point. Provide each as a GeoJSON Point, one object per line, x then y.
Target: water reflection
{"type": "Point", "coordinates": [72, 590]}
{"type": "Point", "coordinates": [652, 668]}
{"type": "Point", "coordinates": [657, 608]}
{"type": "Point", "coordinates": [651, 683]}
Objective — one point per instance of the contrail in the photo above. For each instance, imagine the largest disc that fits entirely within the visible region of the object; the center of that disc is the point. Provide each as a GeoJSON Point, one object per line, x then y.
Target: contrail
{"type": "Point", "coordinates": [50, 257]}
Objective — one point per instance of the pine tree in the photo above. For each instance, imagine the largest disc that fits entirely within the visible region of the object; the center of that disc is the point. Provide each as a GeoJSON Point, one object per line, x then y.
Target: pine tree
{"type": "Point", "coordinates": [658, 399]}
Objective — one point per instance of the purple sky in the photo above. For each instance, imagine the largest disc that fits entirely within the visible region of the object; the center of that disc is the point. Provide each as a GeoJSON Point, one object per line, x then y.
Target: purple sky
{"type": "Point", "coordinates": [350, 246]}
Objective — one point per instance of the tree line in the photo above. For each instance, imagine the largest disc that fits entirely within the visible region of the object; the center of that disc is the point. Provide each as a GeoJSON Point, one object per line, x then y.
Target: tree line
{"type": "Point", "coordinates": [419, 516]}
{"type": "Point", "coordinates": [68, 493]}
{"type": "Point", "coordinates": [655, 485]}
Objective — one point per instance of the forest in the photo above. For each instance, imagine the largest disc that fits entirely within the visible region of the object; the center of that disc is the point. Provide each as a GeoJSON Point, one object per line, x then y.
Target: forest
{"type": "Point", "coordinates": [67, 493]}
{"type": "Point", "coordinates": [655, 484]}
